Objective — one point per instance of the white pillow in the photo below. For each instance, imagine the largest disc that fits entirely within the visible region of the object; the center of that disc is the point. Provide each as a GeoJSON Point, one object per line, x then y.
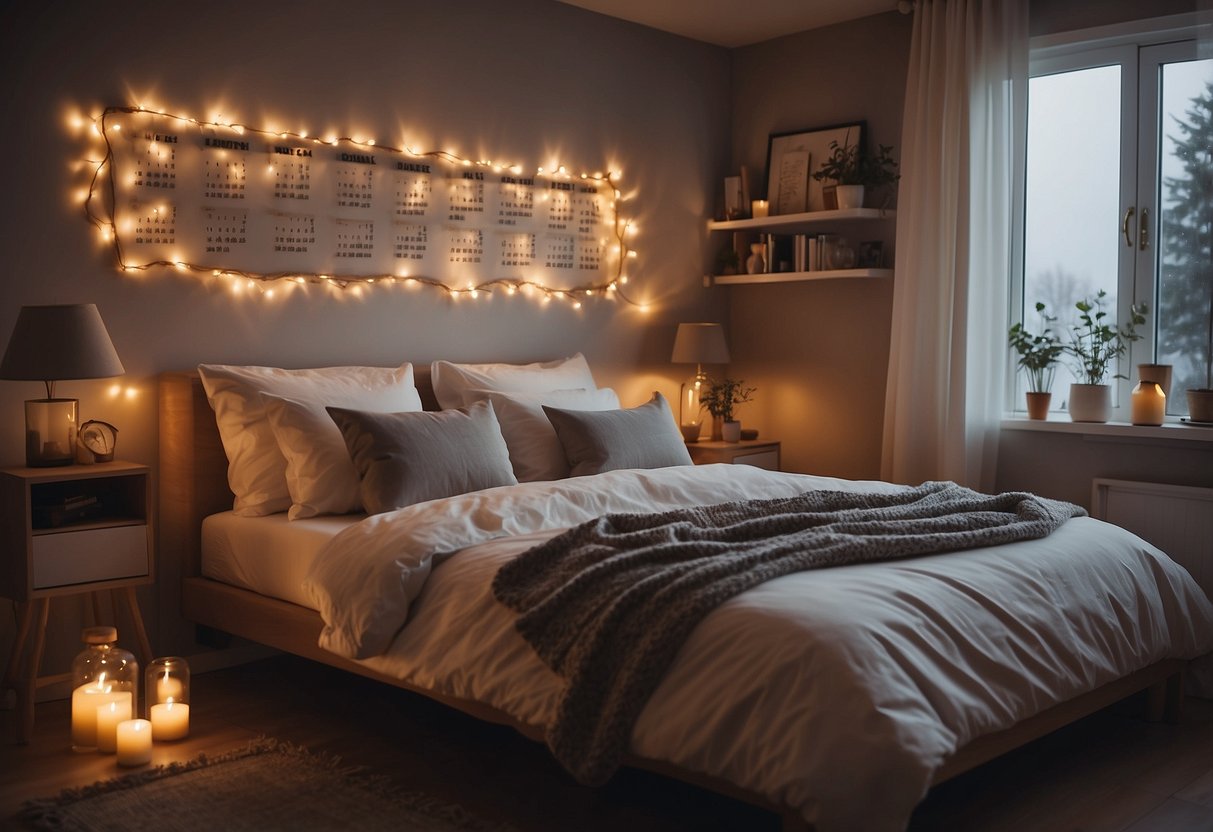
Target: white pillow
{"type": "Point", "coordinates": [535, 450]}
{"type": "Point", "coordinates": [320, 475]}
{"type": "Point", "coordinates": [256, 469]}
{"type": "Point", "coordinates": [454, 383]}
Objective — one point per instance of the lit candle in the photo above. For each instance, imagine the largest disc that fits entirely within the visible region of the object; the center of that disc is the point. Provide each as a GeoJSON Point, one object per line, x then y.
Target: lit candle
{"type": "Point", "coordinates": [134, 742]}
{"type": "Point", "coordinates": [86, 700]}
{"type": "Point", "coordinates": [170, 721]}
{"type": "Point", "coordinates": [760, 208]}
{"type": "Point", "coordinates": [168, 689]}
{"type": "Point", "coordinates": [108, 717]}
{"type": "Point", "coordinates": [1149, 404]}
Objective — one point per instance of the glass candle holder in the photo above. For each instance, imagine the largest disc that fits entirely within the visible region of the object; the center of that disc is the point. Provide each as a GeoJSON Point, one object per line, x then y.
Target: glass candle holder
{"type": "Point", "coordinates": [168, 698]}
{"type": "Point", "coordinates": [102, 675]}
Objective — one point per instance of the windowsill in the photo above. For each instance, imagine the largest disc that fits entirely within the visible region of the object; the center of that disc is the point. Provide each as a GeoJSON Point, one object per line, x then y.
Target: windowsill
{"type": "Point", "coordinates": [1113, 431]}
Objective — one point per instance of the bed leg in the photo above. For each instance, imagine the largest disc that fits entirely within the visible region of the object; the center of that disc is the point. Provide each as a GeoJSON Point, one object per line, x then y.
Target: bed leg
{"type": "Point", "coordinates": [1165, 699]}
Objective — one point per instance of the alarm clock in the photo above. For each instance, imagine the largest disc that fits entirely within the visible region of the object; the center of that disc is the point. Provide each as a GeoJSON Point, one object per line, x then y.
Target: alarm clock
{"type": "Point", "coordinates": [98, 439]}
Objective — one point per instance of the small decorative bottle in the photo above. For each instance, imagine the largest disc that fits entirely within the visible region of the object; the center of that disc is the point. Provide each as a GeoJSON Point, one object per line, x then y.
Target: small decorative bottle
{"type": "Point", "coordinates": [167, 688]}
{"type": "Point", "coordinates": [756, 263]}
{"type": "Point", "coordinates": [105, 688]}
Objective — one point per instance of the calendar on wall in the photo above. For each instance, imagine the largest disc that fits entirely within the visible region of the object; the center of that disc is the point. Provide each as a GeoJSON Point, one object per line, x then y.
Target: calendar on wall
{"type": "Point", "coordinates": [271, 204]}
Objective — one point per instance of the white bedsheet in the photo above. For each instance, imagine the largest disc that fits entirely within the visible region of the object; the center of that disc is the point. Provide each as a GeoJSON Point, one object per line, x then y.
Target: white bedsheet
{"type": "Point", "coordinates": [838, 692]}
{"type": "Point", "coordinates": [269, 555]}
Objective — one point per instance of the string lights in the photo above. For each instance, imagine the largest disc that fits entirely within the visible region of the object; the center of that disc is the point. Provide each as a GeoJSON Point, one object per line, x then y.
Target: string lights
{"type": "Point", "coordinates": [103, 185]}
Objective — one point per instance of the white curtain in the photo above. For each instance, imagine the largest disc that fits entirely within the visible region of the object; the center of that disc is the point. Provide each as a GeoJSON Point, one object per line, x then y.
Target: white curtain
{"type": "Point", "coordinates": [961, 133]}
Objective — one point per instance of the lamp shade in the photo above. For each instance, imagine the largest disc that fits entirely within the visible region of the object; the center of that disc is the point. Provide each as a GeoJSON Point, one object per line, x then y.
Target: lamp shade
{"type": "Point", "coordinates": [700, 344]}
{"type": "Point", "coordinates": [52, 343]}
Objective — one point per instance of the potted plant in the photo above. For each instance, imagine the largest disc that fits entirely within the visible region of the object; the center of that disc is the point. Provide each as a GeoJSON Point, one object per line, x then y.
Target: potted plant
{"type": "Point", "coordinates": [720, 399]}
{"type": "Point", "coordinates": [1094, 345]}
{"type": "Point", "coordinates": [855, 171]}
{"type": "Point", "coordinates": [1038, 356]}
{"type": "Point", "coordinates": [1200, 399]}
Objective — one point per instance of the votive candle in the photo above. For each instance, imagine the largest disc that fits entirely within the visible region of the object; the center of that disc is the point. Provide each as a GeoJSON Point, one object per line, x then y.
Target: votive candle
{"type": "Point", "coordinates": [170, 721]}
{"type": "Point", "coordinates": [760, 208]}
{"type": "Point", "coordinates": [134, 742]}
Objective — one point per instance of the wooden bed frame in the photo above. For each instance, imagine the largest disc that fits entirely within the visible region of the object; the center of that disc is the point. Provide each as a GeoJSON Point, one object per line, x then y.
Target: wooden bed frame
{"type": "Point", "coordinates": [193, 484]}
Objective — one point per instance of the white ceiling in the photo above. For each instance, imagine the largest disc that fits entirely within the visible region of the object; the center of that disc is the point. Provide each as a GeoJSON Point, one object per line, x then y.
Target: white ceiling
{"type": "Point", "coordinates": [735, 22]}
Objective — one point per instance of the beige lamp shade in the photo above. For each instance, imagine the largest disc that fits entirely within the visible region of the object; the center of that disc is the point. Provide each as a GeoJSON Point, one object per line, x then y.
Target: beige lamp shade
{"type": "Point", "coordinates": [52, 343]}
{"type": "Point", "coordinates": [700, 344]}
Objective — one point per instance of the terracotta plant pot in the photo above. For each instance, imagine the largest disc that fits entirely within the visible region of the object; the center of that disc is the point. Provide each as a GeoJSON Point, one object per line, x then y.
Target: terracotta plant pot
{"type": "Point", "coordinates": [1090, 402]}
{"type": "Point", "coordinates": [1038, 405]}
{"type": "Point", "coordinates": [1200, 404]}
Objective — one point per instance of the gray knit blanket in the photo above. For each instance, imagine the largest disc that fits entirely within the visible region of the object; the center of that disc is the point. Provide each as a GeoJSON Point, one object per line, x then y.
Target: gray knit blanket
{"type": "Point", "coordinates": [608, 603]}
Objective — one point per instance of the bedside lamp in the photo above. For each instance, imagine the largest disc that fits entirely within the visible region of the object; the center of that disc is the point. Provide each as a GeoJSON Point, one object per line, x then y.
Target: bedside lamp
{"type": "Point", "coordinates": [49, 344]}
{"type": "Point", "coordinates": [696, 344]}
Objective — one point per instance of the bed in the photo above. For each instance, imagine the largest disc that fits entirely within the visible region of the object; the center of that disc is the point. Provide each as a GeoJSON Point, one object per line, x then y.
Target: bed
{"type": "Point", "coordinates": [747, 737]}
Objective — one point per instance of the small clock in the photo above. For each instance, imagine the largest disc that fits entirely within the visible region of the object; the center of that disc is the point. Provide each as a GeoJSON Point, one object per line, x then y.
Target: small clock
{"type": "Point", "coordinates": [99, 439]}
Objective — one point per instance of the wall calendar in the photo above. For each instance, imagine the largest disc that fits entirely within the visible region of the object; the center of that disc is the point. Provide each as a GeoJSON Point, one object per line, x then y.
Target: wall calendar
{"type": "Point", "coordinates": [216, 197]}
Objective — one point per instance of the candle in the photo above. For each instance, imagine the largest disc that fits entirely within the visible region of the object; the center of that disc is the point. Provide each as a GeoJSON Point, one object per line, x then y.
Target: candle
{"type": "Point", "coordinates": [170, 721]}
{"type": "Point", "coordinates": [86, 699]}
{"type": "Point", "coordinates": [168, 689]}
{"type": "Point", "coordinates": [108, 717]}
{"type": "Point", "coordinates": [760, 208]}
{"type": "Point", "coordinates": [134, 742]}
{"type": "Point", "coordinates": [1149, 404]}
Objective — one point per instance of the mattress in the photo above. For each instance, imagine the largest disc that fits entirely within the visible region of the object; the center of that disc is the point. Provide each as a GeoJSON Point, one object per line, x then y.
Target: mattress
{"type": "Point", "coordinates": [269, 555]}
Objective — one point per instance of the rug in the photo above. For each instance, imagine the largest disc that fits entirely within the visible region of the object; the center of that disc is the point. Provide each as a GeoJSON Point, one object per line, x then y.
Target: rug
{"type": "Point", "coordinates": [267, 785]}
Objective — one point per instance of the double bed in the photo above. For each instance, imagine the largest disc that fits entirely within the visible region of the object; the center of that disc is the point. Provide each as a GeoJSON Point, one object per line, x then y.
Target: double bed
{"type": "Point", "coordinates": [806, 694]}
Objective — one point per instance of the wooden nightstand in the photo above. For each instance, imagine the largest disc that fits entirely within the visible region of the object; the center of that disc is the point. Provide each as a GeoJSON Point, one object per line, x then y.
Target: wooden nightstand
{"type": "Point", "coordinates": [761, 453]}
{"type": "Point", "coordinates": [68, 531]}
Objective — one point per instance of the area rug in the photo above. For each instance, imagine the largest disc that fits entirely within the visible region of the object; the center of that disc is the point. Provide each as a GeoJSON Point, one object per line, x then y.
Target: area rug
{"type": "Point", "coordinates": [267, 785]}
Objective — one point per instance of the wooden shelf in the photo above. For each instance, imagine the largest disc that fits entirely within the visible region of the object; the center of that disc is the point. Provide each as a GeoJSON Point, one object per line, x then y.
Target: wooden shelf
{"type": "Point", "coordinates": [807, 219]}
{"type": "Point", "coordinates": [796, 277]}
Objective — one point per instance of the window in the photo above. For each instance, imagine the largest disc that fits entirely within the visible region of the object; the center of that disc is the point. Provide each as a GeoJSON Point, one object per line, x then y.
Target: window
{"type": "Point", "coordinates": [1118, 197]}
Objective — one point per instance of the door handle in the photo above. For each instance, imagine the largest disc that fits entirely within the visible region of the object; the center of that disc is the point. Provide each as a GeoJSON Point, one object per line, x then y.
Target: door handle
{"type": "Point", "coordinates": [1143, 230]}
{"type": "Point", "coordinates": [1124, 227]}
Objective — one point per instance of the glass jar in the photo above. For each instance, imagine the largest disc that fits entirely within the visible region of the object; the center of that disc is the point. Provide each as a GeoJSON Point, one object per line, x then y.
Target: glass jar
{"type": "Point", "coordinates": [167, 687]}
{"type": "Point", "coordinates": [104, 677]}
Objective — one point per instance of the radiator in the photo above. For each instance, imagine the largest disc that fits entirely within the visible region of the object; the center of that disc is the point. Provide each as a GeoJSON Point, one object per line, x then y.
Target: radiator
{"type": "Point", "coordinates": [1177, 519]}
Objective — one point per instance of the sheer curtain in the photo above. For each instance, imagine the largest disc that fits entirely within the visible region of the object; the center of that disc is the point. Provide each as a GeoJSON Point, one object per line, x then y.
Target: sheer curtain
{"type": "Point", "coordinates": [961, 133]}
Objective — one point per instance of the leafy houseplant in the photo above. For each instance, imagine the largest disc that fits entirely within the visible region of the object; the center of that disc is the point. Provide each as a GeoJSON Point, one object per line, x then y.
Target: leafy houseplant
{"type": "Point", "coordinates": [1094, 345]}
{"type": "Point", "coordinates": [719, 399]}
{"type": "Point", "coordinates": [850, 168]}
{"type": "Point", "coordinates": [1038, 357]}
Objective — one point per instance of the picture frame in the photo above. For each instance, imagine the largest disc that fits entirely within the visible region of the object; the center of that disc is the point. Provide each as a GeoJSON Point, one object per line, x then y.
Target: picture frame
{"type": "Point", "coordinates": [791, 154]}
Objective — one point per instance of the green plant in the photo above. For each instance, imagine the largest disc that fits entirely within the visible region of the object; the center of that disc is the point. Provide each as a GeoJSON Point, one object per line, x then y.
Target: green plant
{"type": "Point", "coordinates": [848, 166]}
{"type": "Point", "coordinates": [1038, 354]}
{"type": "Point", "coordinates": [722, 396]}
{"type": "Point", "coordinates": [1094, 344]}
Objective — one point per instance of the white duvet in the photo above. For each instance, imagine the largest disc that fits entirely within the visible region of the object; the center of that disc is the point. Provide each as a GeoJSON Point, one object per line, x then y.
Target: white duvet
{"type": "Point", "coordinates": [837, 692]}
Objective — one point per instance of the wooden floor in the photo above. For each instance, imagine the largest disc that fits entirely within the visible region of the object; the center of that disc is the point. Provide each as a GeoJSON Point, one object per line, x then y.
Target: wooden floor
{"type": "Point", "coordinates": [1112, 771]}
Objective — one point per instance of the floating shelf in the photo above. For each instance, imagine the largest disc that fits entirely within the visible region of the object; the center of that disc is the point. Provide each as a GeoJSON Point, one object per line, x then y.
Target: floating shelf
{"type": "Point", "coordinates": [808, 218]}
{"type": "Point", "coordinates": [796, 277]}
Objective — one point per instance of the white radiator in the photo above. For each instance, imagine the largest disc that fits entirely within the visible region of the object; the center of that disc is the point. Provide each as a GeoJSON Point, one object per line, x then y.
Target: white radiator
{"type": "Point", "coordinates": [1176, 518]}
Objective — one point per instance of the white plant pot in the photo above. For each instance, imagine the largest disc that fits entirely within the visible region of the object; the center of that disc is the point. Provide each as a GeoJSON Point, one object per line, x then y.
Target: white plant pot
{"type": "Point", "coordinates": [850, 196]}
{"type": "Point", "coordinates": [731, 431]}
{"type": "Point", "coordinates": [1090, 402]}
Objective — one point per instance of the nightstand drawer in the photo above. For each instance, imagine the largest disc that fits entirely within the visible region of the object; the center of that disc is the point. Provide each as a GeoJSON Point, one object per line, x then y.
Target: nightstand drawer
{"type": "Point", "coordinates": [763, 459]}
{"type": "Point", "coordinates": [68, 558]}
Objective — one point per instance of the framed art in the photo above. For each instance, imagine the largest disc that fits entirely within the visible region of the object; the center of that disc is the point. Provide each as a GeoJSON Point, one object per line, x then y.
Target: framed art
{"type": "Point", "coordinates": [791, 159]}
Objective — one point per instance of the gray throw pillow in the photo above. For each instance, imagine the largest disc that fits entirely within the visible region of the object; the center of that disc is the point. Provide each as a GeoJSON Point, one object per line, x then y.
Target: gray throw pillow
{"type": "Point", "coordinates": [406, 458]}
{"type": "Point", "coordinates": [606, 440]}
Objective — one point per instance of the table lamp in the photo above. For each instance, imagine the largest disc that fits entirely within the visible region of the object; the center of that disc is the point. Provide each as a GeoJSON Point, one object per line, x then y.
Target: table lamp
{"type": "Point", "coordinates": [49, 344]}
{"type": "Point", "coordinates": [696, 344]}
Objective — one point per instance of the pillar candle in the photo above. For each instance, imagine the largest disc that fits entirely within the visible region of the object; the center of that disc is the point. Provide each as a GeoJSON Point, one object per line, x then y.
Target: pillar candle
{"type": "Point", "coordinates": [170, 721]}
{"type": "Point", "coordinates": [134, 742]}
{"type": "Point", "coordinates": [108, 717]}
{"type": "Point", "coordinates": [86, 699]}
{"type": "Point", "coordinates": [760, 208]}
{"type": "Point", "coordinates": [1149, 404]}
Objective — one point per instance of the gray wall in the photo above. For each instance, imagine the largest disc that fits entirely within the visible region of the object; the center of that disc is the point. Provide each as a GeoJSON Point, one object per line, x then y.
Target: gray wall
{"type": "Point", "coordinates": [518, 80]}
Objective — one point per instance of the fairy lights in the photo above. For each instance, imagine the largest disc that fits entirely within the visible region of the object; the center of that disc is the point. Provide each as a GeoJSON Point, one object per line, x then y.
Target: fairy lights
{"type": "Point", "coordinates": [100, 208]}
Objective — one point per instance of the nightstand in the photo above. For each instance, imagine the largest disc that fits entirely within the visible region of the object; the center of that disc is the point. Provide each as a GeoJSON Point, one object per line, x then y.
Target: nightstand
{"type": "Point", "coordinates": [68, 531]}
{"type": "Point", "coordinates": [761, 453]}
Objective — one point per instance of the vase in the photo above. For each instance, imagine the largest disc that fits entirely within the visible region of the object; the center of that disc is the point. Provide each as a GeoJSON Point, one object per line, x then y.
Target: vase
{"type": "Point", "coordinates": [756, 263]}
{"type": "Point", "coordinates": [850, 196]}
{"type": "Point", "coordinates": [730, 431]}
{"type": "Point", "coordinates": [1090, 402]}
{"type": "Point", "coordinates": [1038, 405]}
{"type": "Point", "coordinates": [1160, 374]}
{"type": "Point", "coordinates": [1200, 404]}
